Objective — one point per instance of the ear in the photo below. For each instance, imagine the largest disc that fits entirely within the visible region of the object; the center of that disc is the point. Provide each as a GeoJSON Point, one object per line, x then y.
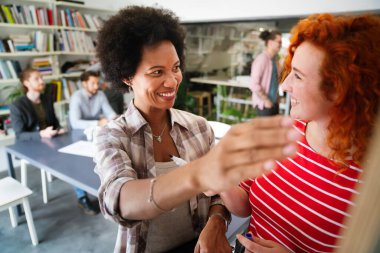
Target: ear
{"type": "Point", "coordinates": [127, 81]}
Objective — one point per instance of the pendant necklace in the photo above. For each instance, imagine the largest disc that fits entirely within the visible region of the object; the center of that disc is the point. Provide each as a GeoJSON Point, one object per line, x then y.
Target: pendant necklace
{"type": "Point", "coordinates": [159, 137]}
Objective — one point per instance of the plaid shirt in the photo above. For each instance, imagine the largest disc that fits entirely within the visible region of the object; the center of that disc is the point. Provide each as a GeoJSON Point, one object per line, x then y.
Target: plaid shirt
{"type": "Point", "coordinates": [125, 152]}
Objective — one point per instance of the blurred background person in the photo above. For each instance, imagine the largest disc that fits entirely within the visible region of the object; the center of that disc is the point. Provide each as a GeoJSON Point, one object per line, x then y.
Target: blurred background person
{"type": "Point", "coordinates": [265, 72]}
{"type": "Point", "coordinates": [89, 106]}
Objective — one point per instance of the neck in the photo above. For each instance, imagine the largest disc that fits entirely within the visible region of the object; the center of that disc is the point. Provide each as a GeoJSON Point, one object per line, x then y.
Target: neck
{"type": "Point", "coordinates": [271, 52]}
{"type": "Point", "coordinates": [316, 135]}
{"type": "Point", "coordinates": [34, 96]}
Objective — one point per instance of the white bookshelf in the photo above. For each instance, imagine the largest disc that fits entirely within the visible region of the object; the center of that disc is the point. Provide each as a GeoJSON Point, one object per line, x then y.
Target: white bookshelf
{"type": "Point", "coordinates": [73, 49]}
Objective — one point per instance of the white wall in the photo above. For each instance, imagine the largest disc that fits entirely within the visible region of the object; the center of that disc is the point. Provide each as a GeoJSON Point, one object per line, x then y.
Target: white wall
{"type": "Point", "coordinates": [217, 10]}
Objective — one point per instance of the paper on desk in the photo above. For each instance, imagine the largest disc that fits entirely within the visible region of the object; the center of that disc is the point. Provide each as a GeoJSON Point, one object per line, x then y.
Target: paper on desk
{"type": "Point", "coordinates": [82, 148]}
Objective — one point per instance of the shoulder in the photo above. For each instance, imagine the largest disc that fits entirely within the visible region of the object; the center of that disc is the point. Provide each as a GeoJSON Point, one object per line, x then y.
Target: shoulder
{"type": "Point", "coordinates": [300, 125]}
{"type": "Point", "coordinates": [20, 102]}
{"type": "Point", "coordinates": [188, 120]}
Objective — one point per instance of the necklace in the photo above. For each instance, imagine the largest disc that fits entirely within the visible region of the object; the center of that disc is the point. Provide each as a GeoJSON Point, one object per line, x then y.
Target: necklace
{"type": "Point", "coordinates": [159, 137]}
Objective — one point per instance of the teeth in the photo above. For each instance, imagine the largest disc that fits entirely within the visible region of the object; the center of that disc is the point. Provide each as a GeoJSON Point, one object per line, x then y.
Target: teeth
{"type": "Point", "coordinates": [167, 94]}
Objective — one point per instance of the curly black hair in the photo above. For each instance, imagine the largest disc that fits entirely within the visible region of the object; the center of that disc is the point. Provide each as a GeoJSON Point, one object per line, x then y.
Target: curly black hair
{"type": "Point", "coordinates": [123, 36]}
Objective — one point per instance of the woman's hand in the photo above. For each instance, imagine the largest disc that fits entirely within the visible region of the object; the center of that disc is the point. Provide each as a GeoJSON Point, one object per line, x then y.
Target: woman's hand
{"type": "Point", "coordinates": [268, 103]}
{"type": "Point", "coordinates": [247, 150]}
{"type": "Point", "coordinates": [261, 245]}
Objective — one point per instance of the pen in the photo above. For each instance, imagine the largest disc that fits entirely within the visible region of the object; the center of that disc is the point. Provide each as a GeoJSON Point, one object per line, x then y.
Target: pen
{"type": "Point", "coordinates": [178, 161]}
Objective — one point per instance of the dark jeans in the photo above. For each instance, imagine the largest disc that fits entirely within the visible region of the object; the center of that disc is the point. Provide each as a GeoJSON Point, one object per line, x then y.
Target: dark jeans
{"type": "Point", "coordinates": [268, 111]}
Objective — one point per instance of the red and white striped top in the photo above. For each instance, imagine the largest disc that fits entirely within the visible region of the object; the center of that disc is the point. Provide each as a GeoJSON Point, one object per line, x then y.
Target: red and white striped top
{"type": "Point", "coordinates": [302, 204]}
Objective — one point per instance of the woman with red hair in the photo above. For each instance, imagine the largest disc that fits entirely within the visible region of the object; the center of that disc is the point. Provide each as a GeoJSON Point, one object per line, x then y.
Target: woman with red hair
{"type": "Point", "coordinates": [332, 74]}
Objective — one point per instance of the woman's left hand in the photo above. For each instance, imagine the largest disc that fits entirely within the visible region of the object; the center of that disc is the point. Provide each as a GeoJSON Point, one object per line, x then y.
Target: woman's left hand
{"type": "Point", "coordinates": [213, 238]}
{"type": "Point", "coordinates": [261, 245]}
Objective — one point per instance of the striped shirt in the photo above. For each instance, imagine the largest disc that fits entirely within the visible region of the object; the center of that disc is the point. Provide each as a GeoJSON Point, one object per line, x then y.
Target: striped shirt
{"type": "Point", "coordinates": [124, 151]}
{"type": "Point", "coordinates": [302, 204]}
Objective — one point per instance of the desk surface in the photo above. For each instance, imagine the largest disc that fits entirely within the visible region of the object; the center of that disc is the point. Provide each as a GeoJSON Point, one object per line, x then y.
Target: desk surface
{"type": "Point", "coordinates": [73, 169]}
{"type": "Point", "coordinates": [219, 81]}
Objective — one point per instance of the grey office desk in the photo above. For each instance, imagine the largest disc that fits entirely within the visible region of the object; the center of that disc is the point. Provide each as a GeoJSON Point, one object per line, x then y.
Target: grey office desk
{"type": "Point", "coordinates": [73, 169]}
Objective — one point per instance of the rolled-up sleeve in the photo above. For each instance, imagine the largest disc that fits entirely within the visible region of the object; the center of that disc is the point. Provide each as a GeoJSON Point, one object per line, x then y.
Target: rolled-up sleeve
{"type": "Point", "coordinates": [114, 167]}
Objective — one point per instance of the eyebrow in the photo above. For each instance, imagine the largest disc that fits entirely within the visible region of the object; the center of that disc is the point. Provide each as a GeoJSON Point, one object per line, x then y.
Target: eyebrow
{"type": "Point", "coordinates": [158, 66]}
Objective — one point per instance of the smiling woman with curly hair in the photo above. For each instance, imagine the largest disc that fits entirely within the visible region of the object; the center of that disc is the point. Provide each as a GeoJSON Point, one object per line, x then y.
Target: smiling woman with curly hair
{"type": "Point", "coordinates": [155, 197]}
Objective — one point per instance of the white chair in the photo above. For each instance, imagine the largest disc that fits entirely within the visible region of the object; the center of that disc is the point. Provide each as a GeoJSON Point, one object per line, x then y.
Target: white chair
{"type": "Point", "coordinates": [12, 193]}
{"type": "Point", "coordinates": [220, 129]}
{"type": "Point", "coordinates": [44, 174]}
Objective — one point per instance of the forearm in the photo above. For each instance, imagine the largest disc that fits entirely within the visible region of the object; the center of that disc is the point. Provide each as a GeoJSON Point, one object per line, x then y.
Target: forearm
{"type": "Point", "coordinates": [167, 192]}
{"type": "Point", "coordinates": [237, 202]}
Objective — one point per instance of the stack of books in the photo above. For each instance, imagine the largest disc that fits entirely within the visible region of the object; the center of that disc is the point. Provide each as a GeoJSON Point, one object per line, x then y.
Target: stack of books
{"type": "Point", "coordinates": [43, 65]}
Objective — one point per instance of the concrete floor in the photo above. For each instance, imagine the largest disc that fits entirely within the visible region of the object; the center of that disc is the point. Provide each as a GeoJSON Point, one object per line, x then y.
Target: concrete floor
{"type": "Point", "coordinates": [61, 226]}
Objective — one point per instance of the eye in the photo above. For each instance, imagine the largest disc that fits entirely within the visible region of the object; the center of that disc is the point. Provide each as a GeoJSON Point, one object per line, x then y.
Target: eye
{"type": "Point", "coordinates": [156, 72]}
{"type": "Point", "coordinates": [176, 68]}
{"type": "Point", "coordinates": [297, 76]}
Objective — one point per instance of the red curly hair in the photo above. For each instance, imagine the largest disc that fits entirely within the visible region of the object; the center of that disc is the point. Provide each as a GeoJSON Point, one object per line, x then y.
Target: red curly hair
{"type": "Point", "coordinates": [350, 71]}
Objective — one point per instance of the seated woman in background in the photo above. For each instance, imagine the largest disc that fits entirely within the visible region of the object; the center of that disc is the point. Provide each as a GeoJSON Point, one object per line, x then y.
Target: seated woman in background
{"type": "Point", "coordinates": [332, 74]}
{"type": "Point", "coordinates": [159, 202]}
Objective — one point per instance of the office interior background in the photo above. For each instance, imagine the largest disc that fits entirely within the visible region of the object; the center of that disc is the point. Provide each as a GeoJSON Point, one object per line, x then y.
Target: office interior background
{"type": "Point", "coordinates": [222, 40]}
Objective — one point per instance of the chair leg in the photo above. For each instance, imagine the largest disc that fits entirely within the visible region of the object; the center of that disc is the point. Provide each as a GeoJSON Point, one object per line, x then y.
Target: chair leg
{"type": "Point", "coordinates": [44, 186]}
{"type": "Point", "coordinates": [24, 178]}
{"type": "Point", "coordinates": [29, 220]}
{"type": "Point", "coordinates": [209, 104]}
{"type": "Point", "coordinates": [13, 217]}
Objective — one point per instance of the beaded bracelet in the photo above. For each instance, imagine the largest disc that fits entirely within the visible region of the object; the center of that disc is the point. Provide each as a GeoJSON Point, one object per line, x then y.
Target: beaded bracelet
{"type": "Point", "coordinates": [151, 199]}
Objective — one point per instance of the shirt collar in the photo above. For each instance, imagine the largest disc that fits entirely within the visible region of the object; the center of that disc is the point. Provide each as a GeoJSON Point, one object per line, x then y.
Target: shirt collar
{"type": "Point", "coordinates": [136, 120]}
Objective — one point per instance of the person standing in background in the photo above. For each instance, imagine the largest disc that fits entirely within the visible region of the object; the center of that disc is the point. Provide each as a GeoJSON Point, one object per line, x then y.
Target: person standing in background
{"type": "Point", "coordinates": [265, 71]}
{"type": "Point", "coordinates": [89, 106]}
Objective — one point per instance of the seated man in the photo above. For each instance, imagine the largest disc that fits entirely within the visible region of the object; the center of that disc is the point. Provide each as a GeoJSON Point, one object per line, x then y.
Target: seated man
{"type": "Point", "coordinates": [89, 106]}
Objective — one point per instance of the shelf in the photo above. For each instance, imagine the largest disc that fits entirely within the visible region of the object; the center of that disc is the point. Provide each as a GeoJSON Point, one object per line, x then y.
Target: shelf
{"type": "Point", "coordinates": [45, 2]}
{"type": "Point", "coordinates": [81, 6]}
{"type": "Point", "coordinates": [76, 29]}
{"type": "Point", "coordinates": [45, 78]}
{"type": "Point", "coordinates": [35, 54]}
{"type": "Point", "coordinates": [26, 54]}
{"type": "Point", "coordinates": [71, 75]}
{"type": "Point", "coordinates": [32, 27]}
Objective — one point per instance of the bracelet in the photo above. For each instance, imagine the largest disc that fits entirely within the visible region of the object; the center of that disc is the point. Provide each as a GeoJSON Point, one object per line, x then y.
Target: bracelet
{"type": "Point", "coordinates": [151, 199]}
{"type": "Point", "coordinates": [226, 221]}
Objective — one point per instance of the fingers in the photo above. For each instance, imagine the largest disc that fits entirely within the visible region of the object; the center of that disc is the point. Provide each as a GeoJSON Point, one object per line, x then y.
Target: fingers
{"type": "Point", "coordinates": [245, 136]}
{"type": "Point", "coordinates": [197, 248]}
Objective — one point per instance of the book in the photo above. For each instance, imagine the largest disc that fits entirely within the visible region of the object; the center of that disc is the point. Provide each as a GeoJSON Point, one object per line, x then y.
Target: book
{"type": "Point", "coordinates": [11, 69]}
{"type": "Point", "coordinates": [8, 14]}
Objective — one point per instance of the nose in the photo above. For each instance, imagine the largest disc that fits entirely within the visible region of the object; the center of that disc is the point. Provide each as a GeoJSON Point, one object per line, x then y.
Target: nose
{"type": "Point", "coordinates": [172, 80]}
{"type": "Point", "coordinates": [286, 86]}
